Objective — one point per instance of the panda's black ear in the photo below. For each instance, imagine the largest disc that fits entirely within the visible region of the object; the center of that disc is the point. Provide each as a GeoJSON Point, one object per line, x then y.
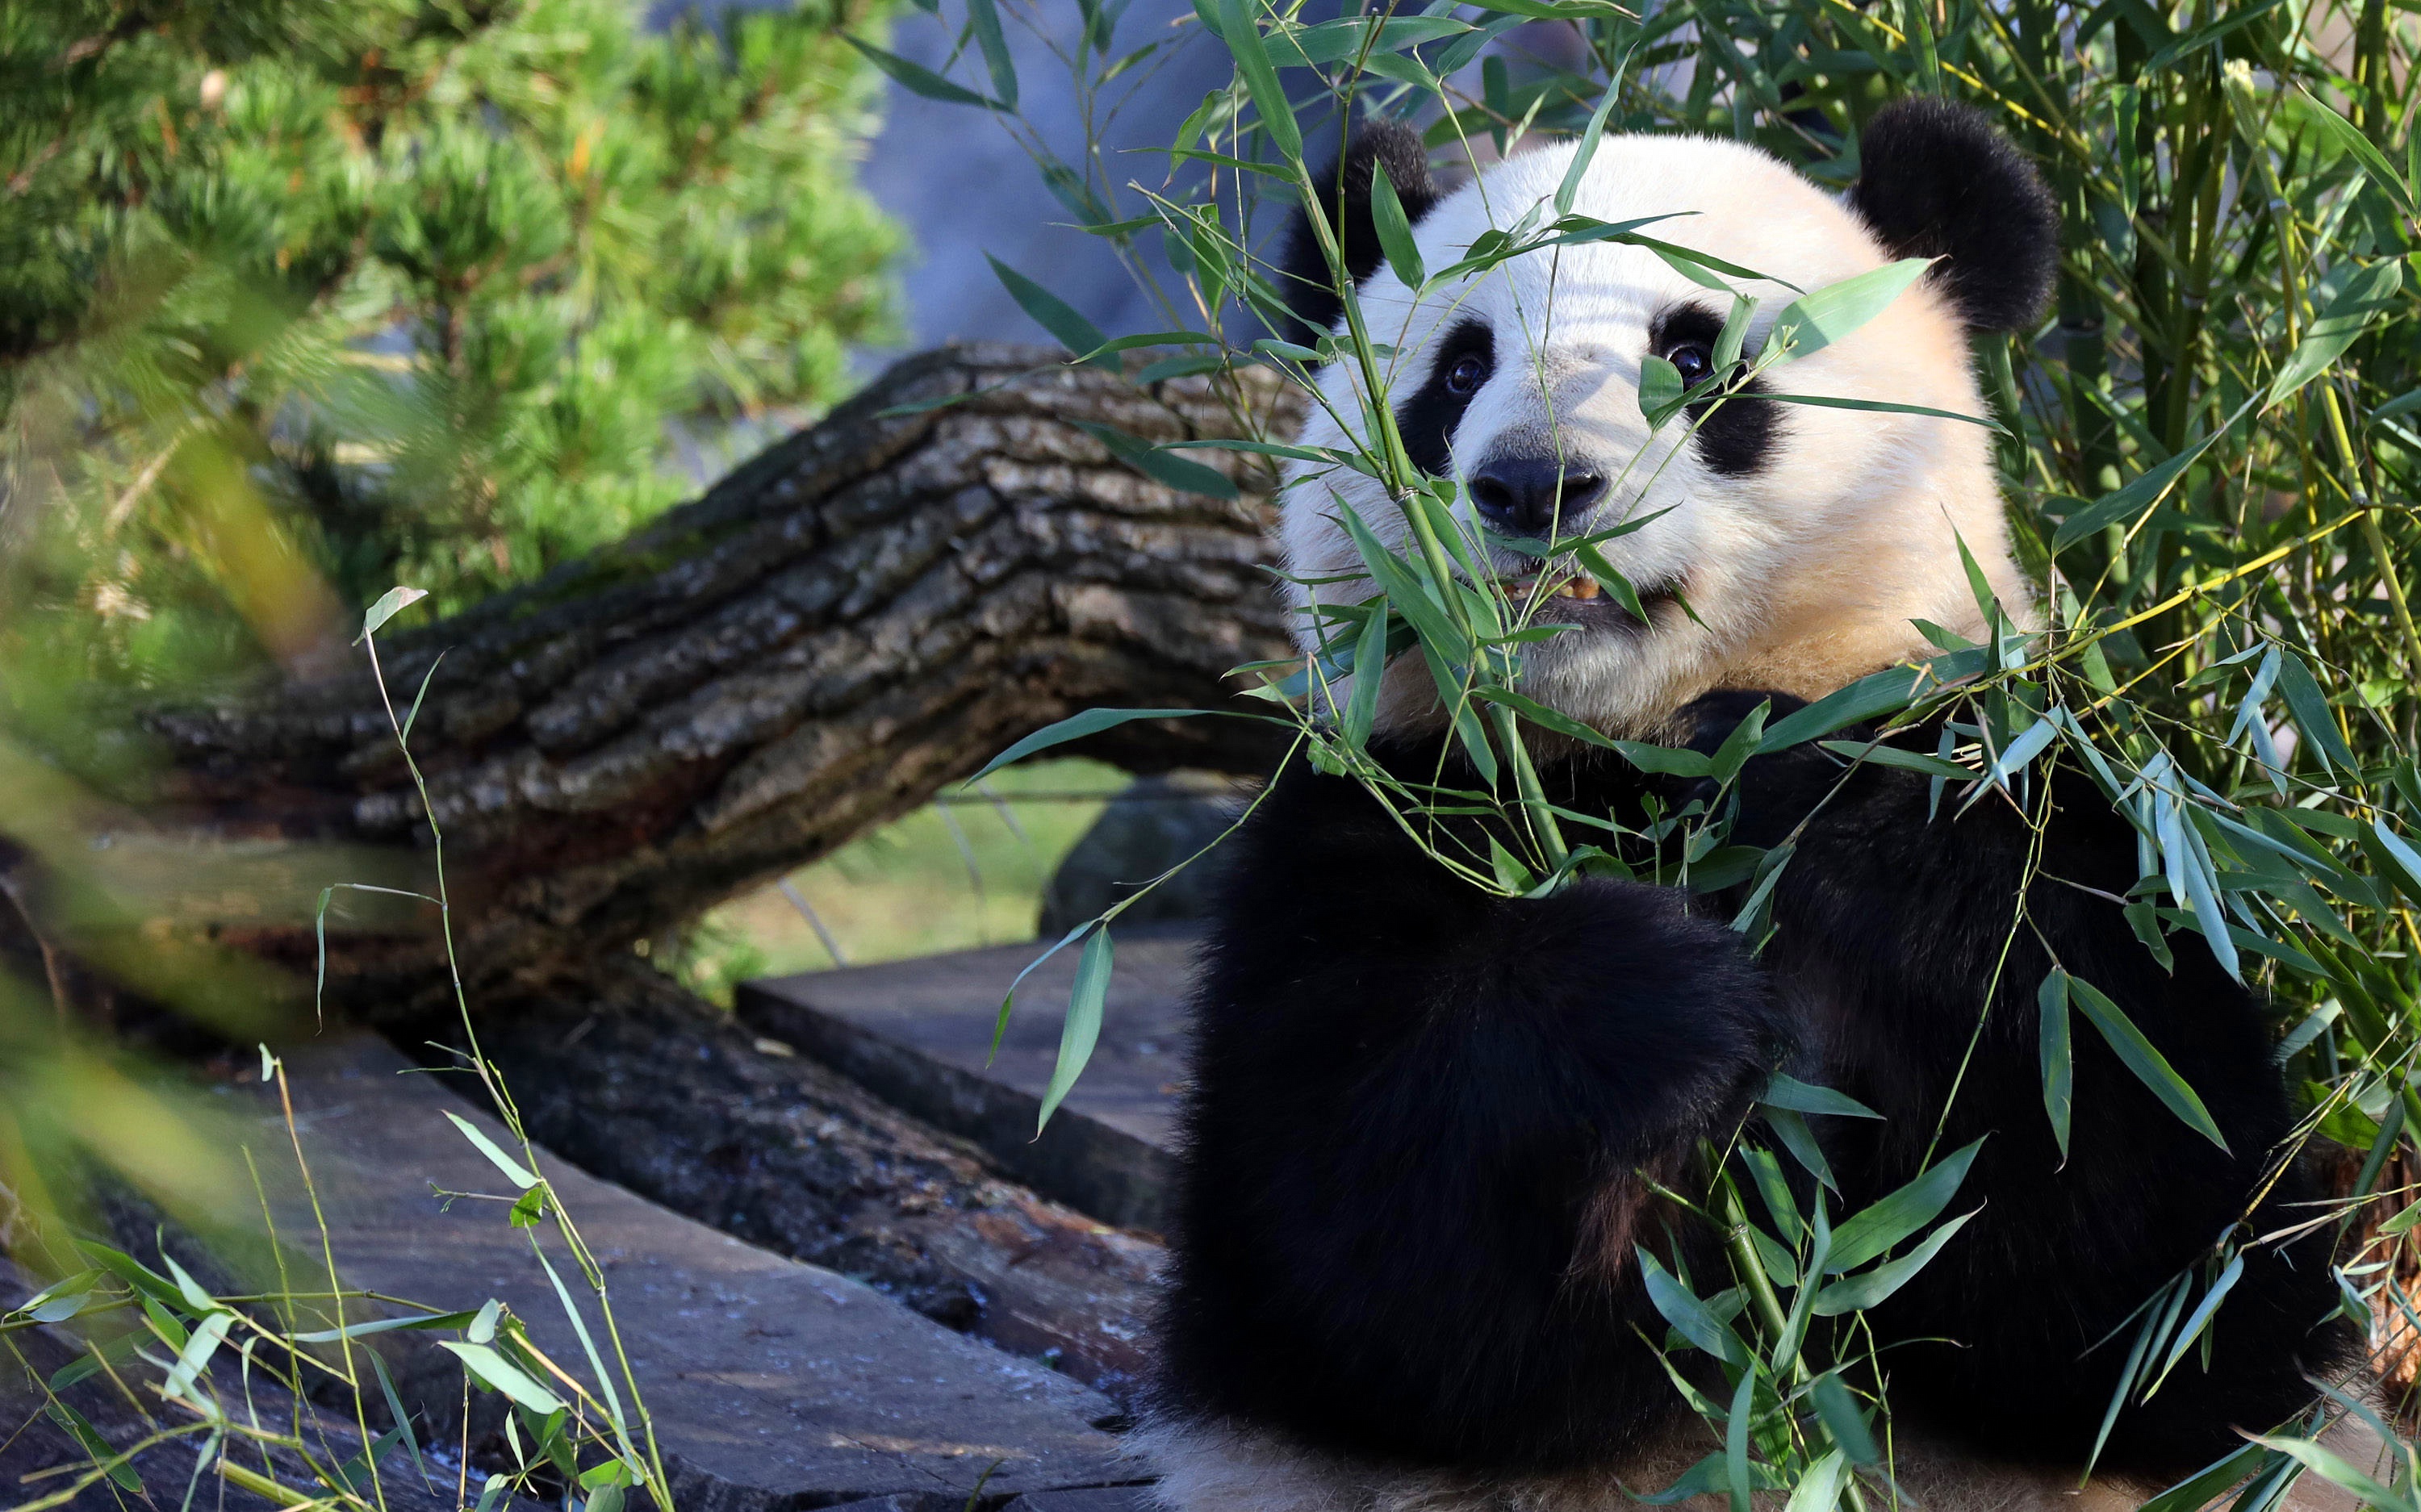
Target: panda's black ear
{"type": "Point", "coordinates": [1937, 179]}
{"type": "Point", "coordinates": [1302, 273]}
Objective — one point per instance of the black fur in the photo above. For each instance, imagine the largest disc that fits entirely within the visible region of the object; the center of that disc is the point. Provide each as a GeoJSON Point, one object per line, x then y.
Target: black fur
{"type": "Point", "coordinates": [1407, 1201]}
{"type": "Point", "coordinates": [1427, 419]}
{"type": "Point", "coordinates": [1743, 433]}
{"type": "Point", "coordinates": [1302, 273]}
{"type": "Point", "coordinates": [1936, 179]}
{"type": "Point", "coordinates": [1405, 1096]}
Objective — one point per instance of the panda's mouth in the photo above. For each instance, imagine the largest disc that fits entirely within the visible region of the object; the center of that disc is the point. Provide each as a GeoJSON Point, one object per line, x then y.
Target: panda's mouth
{"type": "Point", "coordinates": [1581, 599]}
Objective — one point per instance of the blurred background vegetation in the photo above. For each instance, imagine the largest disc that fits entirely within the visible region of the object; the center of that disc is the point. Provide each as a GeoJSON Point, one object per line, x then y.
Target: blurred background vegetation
{"type": "Point", "coordinates": [299, 301]}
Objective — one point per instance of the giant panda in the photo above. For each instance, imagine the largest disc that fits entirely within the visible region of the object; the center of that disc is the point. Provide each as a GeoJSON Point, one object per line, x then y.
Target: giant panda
{"type": "Point", "coordinates": [1425, 1124]}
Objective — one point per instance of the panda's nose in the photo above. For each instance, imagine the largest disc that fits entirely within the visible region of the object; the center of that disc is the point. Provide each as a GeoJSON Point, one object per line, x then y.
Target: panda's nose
{"type": "Point", "coordinates": [1524, 495]}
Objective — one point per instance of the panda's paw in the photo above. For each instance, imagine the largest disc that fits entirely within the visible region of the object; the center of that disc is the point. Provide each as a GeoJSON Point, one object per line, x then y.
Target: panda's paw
{"type": "Point", "coordinates": [1705, 722]}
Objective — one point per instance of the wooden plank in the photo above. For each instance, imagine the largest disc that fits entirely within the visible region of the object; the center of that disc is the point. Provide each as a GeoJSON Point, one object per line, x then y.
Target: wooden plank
{"type": "Point", "coordinates": [919, 1033]}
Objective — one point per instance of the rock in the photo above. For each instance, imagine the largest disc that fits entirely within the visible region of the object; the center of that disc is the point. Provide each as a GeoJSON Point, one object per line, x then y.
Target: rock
{"type": "Point", "coordinates": [1096, 1498]}
{"type": "Point", "coordinates": [920, 1035]}
{"type": "Point", "coordinates": [772, 1383]}
{"type": "Point", "coordinates": [638, 1083]}
{"type": "Point", "coordinates": [1155, 823]}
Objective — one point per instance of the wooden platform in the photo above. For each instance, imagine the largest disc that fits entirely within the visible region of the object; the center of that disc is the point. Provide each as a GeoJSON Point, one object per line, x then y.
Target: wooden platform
{"type": "Point", "coordinates": [917, 1033]}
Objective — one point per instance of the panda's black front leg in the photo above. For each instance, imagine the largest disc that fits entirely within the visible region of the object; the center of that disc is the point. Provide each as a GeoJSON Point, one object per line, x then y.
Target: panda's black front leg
{"type": "Point", "coordinates": [1415, 1141]}
{"type": "Point", "coordinates": [1900, 928]}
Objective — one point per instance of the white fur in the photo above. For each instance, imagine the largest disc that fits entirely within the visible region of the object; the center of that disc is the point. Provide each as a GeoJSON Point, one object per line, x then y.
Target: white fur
{"type": "Point", "coordinates": [1807, 574]}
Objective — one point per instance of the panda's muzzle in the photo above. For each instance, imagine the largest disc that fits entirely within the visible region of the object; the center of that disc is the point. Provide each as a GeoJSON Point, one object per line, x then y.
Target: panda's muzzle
{"type": "Point", "coordinates": [1528, 495]}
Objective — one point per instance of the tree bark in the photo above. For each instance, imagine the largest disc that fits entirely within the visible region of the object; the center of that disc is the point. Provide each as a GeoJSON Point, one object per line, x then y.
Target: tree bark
{"type": "Point", "coordinates": [868, 611]}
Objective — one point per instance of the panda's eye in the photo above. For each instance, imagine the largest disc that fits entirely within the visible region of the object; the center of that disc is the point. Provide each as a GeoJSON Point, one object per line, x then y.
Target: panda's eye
{"type": "Point", "coordinates": [1692, 361]}
{"type": "Point", "coordinates": [1466, 375]}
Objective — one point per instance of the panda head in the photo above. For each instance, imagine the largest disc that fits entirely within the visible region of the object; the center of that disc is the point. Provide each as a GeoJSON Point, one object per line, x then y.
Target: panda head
{"type": "Point", "coordinates": [1806, 538]}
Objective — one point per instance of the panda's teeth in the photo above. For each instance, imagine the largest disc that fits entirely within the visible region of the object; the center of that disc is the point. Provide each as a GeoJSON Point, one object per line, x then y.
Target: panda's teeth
{"type": "Point", "coordinates": [1583, 588]}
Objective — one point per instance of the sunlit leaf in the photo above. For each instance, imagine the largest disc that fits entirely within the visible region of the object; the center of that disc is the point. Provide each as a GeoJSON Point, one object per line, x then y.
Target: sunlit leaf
{"type": "Point", "coordinates": [390, 603]}
{"type": "Point", "coordinates": [493, 1370]}
{"type": "Point", "coordinates": [1815, 320]}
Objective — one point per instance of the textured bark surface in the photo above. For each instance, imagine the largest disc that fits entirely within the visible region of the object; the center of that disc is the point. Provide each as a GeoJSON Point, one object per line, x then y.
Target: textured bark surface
{"type": "Point", "coordinates": [869, 610]}
{"type": "Point", "coordinates": [635, 1080]}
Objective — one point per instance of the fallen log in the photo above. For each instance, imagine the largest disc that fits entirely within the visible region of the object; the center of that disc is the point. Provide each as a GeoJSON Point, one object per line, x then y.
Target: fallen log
{"type": "Point", "coordinates": [865, 613]}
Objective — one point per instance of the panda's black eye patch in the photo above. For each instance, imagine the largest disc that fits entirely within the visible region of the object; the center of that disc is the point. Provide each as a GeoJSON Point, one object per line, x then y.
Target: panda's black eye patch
{"type": "Point", "coordinates": [1738, 432]}
{"type": "Point", "coordinates": [1466, 355]}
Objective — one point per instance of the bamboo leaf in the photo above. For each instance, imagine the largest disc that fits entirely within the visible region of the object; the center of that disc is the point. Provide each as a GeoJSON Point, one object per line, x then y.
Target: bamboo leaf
{"type": "Point", "coordinates": [1869, 1232]}
{"type": "Point", "coordinates": [2369, 290]}
{"type": "Point", "coordinates": [1578, 169]}
{"type": "Point", "coordinates": [1395, 227]}
{"type": "Point", "coordinates": [1689, 1316]}
{"type": "Point", "coordinates": [2056, 1055]}
{"type": "Point", "coordinates": [1837, 1408]}
{"type": "Point", "coordinates": [1877, 693]}
{"type": "Point", "coordinates": [1077, 727]}
{"type": "Point", "coordinates": [2348, 138]}
{"type": "Point", "coordinates": [2310, 709]}
{"type": "Point", "coordinates": [1665, 761]}
{"type": "Point", "coordinates": [1835, 401]}
{"type": "Point", "coordinates": [1801, 1097]}
{"type": "Point", "coordinates": [1815, 321]}
{"type": "Point", "coordinates": [2124, 506]}
{"type": "Point", "coordinates": [986, 20]}
{"type": "Point", "coordinates": [1369, 663]}
{"type": "Point", "coordinates": [385, 1325]}
{"type": "Point", "coordinates": [1853, 1294]}
{"type": "Point", "coordinates": [493, 1370]}
{"type": "Point", "coordinates": [2206, 1483]}
{"type": "Point", "coordinates": [1157, 466]}
{"type": "Point", "coordinates": [515, 1172]}
{"type": "Point", "coordinates": [1333, 41]}
{"type": "Point", "coordinates": [1545, 718]}
{"type": "Point", "coordinates": [1661, 392]}
{"type": "Point", "coordinates": [1083, 1028]}
{"type": "Point", "coordinates": [1791, 1128]}
{"type": "Point", "coordinates": [919, 80]}
{"type": "Point", "coordinates": [2333, 1468]}
{"type": "Point", "coordinates": [390, 603]}
{"type": "Point", "coordinates": [1237, 28]}
{"type": "Point", "coordinates": [2151, 1067]}
{"type": "Point", "coordinates": [1736, 1426]}
{"type": "Point", "coordinates": [1052, 314]}
{"type": "Point", "coordinates": [2404, 873]}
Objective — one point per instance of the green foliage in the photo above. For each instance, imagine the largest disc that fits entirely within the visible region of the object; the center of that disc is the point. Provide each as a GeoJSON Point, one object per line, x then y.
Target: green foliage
{"type": "Point", "coordinates": [2208, 455]}
{"type": "Point", "coordinates": [401, 290]}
